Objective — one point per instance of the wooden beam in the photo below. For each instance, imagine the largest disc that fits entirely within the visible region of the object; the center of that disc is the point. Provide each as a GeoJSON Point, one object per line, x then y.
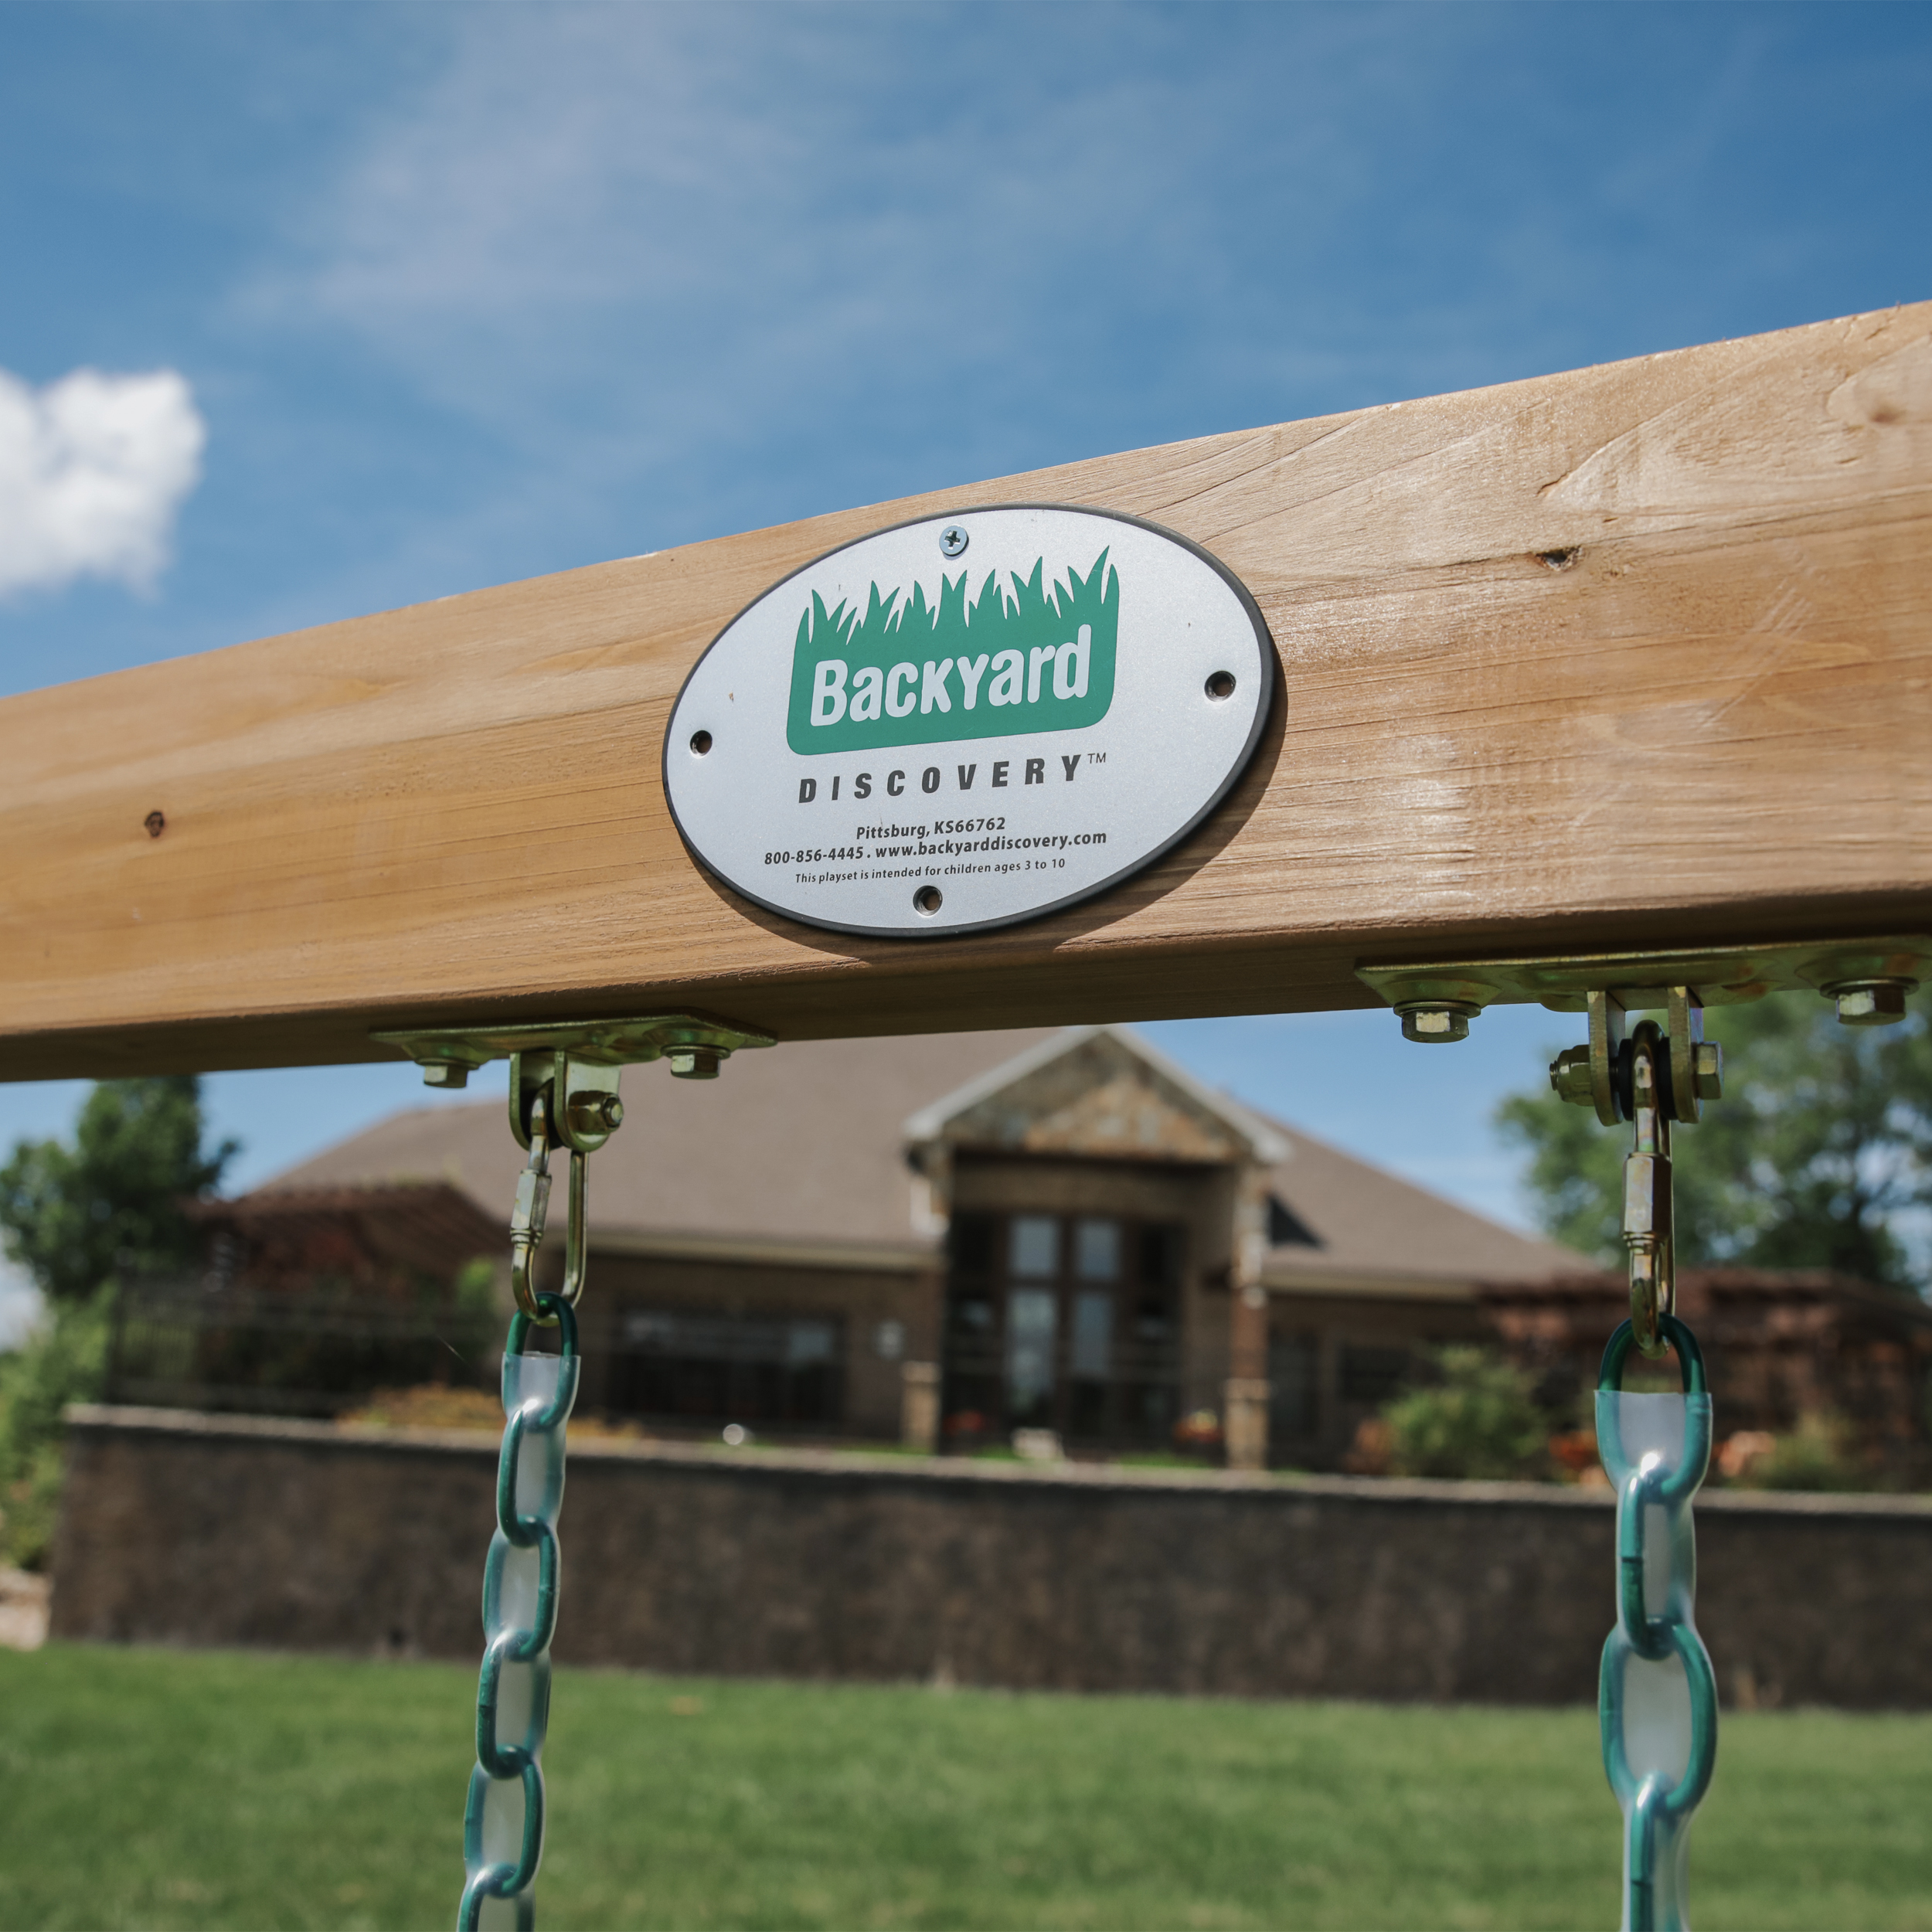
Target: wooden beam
{"type": "Point", "coordinates": [1639, 654]}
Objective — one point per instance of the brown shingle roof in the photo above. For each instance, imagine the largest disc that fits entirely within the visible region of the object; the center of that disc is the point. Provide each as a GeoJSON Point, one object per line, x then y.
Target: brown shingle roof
{"type": "Point", "coordinates": [1372, 1224]}
{"type": "Point", "coordinates": [429, 1225]}
{"type": "Point", "coordinates": [797, 1143]}
{"type": "Point", "coordinates": [804, 1144]}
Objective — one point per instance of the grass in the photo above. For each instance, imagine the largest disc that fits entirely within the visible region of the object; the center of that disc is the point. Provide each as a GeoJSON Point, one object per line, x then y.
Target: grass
{"type": "Point", "coordinates": [161, 1790]}
{"type": "Point", "coordinates": [1030, 612]}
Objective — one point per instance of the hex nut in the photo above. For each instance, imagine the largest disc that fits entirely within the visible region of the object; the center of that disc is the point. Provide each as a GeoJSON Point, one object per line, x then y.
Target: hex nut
{"type": "Point", "coordinates": [1871, 1002]}
{"type": "Point", "coordinates": [449, 1074]}
{"type": "Point", "coordinates": [1569, 1077]}
{"type": "Point", "coordinates": [1437, 1022]}
{"type": "Point", "coordinates": [694, 1062]}
{"type": "Point", "coordinates": [596, 1113]}
{"type": "Point", "coordinates": [1708, 1070]}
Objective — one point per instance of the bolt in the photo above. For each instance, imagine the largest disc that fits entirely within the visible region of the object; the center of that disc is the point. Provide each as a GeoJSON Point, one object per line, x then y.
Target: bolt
{"type": "Point", "coordinates": [1871, 1002]}
{"type": "Point", "coordinates": [1437, 1022]}
{"type": "Point", "coordinates": [953, 540]}
{"type": "Point", "coordinates": [694, 1062]}
{"type": "Point", "coordinates": [1569, 1076]}
{"type": "Point", "coordinates": [1707, 1066]}
{"type": "Point", "coordinates": [451, 1074]}
{"type": "Point", "coordinates": [596, 1113]}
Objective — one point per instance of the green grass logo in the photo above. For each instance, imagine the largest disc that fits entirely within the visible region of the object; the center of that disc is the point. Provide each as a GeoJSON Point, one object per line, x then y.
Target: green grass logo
{"type": "Point", "coordinates": [1023, 656]}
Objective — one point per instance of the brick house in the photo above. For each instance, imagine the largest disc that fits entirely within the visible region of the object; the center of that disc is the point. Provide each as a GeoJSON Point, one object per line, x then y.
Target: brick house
{"type": "Point", "coordinates": [946, 1238]}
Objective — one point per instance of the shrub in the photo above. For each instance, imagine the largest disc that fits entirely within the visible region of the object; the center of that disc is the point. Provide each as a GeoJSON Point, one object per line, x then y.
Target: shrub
{"type": "Point", "coordinates": [1818, 1454]}
{"type": "Point", "coordinates": [64, 1362]}
{"type": "Point", "coordinates": [1478, 1418]}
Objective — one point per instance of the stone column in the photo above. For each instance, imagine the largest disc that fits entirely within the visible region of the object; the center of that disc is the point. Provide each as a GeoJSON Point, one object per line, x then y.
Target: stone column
{"type": "Point", "coordinates": [921, 1376]}
{"type": "Point", "coordinates": [919, 1405]}
{"type": "Point", "coordinates": [1245, 1400]}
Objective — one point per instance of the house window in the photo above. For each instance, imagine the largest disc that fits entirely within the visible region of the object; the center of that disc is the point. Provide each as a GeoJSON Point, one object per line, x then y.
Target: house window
{"type": "Point", "coordinates": [1033, 1247]}
{"type": "Point", "coordinates": [1096, 1248]}
{"type": "Point", "coordinates": [1292, 1360]}
{"type": "Point", "coordinates": [1371, 1375]}
{"type": "Point", "coordinates": [1032, 1320]}
{"type": "Point", "coordinates": [1287, 1228]}
{"type": "Point", "coordinates": [1067, 1322]}
{"type": "Point", "coordinates": [680, 1364]}
{"type": "Point", "coordinates": [1093, 1354]}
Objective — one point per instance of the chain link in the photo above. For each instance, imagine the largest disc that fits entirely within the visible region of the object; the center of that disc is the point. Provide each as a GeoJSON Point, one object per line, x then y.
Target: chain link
{"type": "Point", "coordinates": [504, 1811]}
{"type": "Point", "coordinates": [1657, 1697]}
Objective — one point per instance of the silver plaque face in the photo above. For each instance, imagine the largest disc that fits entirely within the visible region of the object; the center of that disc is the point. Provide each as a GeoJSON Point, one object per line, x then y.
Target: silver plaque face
{"type": "Point", "coordinates": [968, 721]}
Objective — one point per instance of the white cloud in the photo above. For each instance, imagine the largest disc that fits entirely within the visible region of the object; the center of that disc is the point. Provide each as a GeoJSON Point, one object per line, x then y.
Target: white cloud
{"type": "Point", "coordinates": [93, 470]}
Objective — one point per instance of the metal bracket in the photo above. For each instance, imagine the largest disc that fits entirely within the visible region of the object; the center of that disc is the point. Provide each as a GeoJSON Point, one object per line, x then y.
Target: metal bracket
{"type": "Point", "coordinates": [694, 1043]}
{"type": "Point", "coordinates": [1869, 979]}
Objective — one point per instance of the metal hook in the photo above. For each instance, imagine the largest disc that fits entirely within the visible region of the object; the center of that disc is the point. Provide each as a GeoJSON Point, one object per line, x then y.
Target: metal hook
{"type": "Point", "coordinates": [528, 1212]}
{"type": "Point", "coordinates": [1647, 1196]}
{"type": "Point", "coordinates": [577, 1224]}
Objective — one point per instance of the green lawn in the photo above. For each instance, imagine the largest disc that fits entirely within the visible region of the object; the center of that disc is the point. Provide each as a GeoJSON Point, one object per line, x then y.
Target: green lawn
{"type": "Point", "coordinates": [141, 1788]}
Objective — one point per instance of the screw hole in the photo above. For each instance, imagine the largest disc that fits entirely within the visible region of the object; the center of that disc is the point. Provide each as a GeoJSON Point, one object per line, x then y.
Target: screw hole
{"type": "Point", "coordinates": [700, 744]}
{"type": "Point", "coordinates": [1557, 560]}
{"type": "Point", "coordinates": [1221, 685]}
{"type": "Point", "coordinates": [156, 824]}
{"type": "Point", "coordinates": [927, 901]}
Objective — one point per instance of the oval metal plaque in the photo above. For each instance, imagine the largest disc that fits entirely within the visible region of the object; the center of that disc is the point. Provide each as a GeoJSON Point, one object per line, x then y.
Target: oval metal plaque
{"type": "Point", "coordinates": [967, 721]}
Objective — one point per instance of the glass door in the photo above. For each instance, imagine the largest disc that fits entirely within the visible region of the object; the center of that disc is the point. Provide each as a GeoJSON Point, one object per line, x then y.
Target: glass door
{"type": "Point", "coordinates": [1032, 1320]}
{"type": "Point", "coordinates": [1068, 1322]}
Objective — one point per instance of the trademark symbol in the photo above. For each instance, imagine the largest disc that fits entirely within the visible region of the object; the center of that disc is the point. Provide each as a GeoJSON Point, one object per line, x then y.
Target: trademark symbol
{"type": "Point", "coordinates": [1096, 757]}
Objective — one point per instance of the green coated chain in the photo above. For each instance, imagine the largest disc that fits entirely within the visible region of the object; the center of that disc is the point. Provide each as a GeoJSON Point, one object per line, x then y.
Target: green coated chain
{"type": "Point", "coordinates": [563, 1099]}
{"type": "Point", "coordinates": [503, 1820]}
{"type": "Point", "coordinates": [1659, 1756]}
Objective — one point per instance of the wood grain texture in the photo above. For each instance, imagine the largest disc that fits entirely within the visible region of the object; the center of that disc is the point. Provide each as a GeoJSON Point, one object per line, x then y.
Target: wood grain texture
{"type": "Point", "coordinates": [1638, 655]}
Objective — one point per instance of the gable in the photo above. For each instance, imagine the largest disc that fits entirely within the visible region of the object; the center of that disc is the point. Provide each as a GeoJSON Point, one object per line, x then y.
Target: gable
{"type": "Point", "coordinates": [1099, 1096]}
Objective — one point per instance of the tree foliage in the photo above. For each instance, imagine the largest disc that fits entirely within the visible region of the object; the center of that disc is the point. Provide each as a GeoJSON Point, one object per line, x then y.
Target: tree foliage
{"type": "Point", "coordinates": [75, 1217]}
{"type": "Point", "coordinates": [63, 1362]}
{"type": "Point", "coordinates": [1821, 1147]}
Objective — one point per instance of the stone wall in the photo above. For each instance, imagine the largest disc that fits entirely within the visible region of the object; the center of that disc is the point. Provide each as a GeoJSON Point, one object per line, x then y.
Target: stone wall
{"type": "Point", "coordinates": [188, 1529]}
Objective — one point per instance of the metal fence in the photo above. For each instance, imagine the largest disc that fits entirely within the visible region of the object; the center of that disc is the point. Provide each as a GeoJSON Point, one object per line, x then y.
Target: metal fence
{"type": "Point", "coordinates": [199, 1344]}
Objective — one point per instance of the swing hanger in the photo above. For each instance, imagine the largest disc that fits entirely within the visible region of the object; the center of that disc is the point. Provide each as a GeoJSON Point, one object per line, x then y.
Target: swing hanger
{"type": "Point", "coordinates": [563, 1096]}
{"type": "Point", "coordinates": [1658, 1075]}
{"type": "Point", "coordinates": [1867, 979]}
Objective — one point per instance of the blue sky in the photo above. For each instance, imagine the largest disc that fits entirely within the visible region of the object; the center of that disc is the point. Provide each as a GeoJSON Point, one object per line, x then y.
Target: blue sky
{"type": "Point", "coordinates": [457, 295]}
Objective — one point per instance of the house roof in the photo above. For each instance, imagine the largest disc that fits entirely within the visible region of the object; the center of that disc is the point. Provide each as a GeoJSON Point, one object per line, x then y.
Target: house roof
{"type": "Point", "coordinates": [429, 1225]}
{"type": "Point", "coordinates": [800, 1143]}
{"type": "Point", "coordinates": [1380, 1234]}
{"type": "Point", "coordinates": [801, 1152]}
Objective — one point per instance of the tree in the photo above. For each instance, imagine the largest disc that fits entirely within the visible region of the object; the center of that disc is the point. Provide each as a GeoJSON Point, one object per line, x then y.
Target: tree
{"type": "Point", "coordinates": [1820, 1148]}
{"type": "Point", "coordinates": [76, 1217]}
